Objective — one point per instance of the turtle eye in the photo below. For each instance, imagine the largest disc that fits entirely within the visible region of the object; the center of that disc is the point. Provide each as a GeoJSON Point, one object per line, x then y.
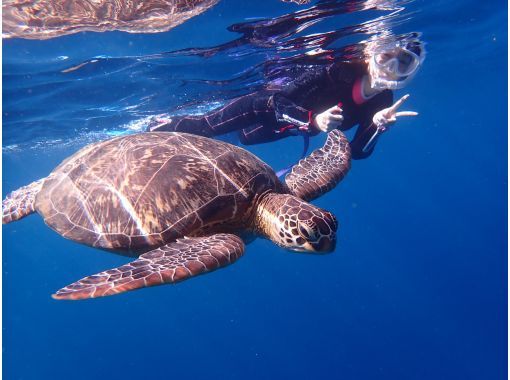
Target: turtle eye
{"type": "Point", "coordinates": [308, 231]}
{"type": "Point", "coordinates": [304, 232]}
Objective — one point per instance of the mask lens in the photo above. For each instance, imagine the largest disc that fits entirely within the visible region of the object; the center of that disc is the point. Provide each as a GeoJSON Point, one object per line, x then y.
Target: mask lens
{"type": "Point", "coordinates": [407, 62]}
{"type": "Point", "coordinates": [382, 59]}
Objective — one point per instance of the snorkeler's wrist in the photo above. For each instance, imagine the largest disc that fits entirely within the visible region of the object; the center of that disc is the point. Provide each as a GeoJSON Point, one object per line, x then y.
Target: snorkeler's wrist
{"type": "Point", "coordinates": [380, 121]}
{"type": "Point", "coordinates": [313, 126]}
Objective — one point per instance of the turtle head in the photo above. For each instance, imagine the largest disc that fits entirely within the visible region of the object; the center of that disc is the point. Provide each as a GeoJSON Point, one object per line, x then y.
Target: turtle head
{"type": "Point", "coordinates": [297, 225]}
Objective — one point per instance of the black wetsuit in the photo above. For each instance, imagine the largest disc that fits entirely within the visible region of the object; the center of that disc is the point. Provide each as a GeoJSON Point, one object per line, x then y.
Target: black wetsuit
{"type": "Point", "coordinates": [268, 115]}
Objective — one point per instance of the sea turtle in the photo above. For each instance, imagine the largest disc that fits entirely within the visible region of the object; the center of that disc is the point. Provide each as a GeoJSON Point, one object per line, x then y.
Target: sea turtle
{"type": "Point", "coordinates": [44, 19]}
{"type": "Point", "coordinates": [184, 204]}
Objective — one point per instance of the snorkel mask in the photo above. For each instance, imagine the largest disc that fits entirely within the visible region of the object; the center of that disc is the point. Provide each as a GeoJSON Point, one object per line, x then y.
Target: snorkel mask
{"type": "Point", "coordinates": [394, 66]}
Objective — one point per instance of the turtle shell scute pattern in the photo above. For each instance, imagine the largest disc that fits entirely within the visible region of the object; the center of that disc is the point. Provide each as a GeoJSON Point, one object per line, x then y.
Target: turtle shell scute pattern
{"type": "Point", "coordinates": [52, 18]}
{"type": "Point", "coordinates": [141, 191]}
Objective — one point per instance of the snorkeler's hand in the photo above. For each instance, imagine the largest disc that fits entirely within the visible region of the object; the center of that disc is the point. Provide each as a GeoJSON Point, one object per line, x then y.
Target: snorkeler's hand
{"type": "Point", "coordinates": [386, 117]}
{"type": "Point", "coordinates": [330, 119]}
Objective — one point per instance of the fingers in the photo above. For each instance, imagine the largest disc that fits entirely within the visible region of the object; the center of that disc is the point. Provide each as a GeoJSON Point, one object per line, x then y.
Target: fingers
{"type": "Point", "coordinates": [406, 113]}
{"type": "Point", "coordinates": [338, 117]}
{"type": "Point", "coordinates": [333, 124]}
{"type": "Point", "coordinates": [398, 103]}
{"type": "Point", "coordinates": [330, 119]}
{"type": "Point", "coordinates": [333, 121]}
{"type": "Point", "coordinates": [335, 110]}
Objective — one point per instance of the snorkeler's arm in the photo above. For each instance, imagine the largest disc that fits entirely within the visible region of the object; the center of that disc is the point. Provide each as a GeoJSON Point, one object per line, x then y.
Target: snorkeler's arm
{"type": "Point", "coordinates": [287, 102]}
{"type": "Point", "coordinates": [368, 133]}
{"type": "Point", "coordinates": [290, 120]}
{"type": "Point", "coordinates": [289, 113]}
{"type": "Point", "coordinates": [364, 141]}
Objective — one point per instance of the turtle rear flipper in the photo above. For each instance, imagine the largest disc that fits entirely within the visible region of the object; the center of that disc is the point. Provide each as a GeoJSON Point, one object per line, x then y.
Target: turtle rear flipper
{"type": "Point", "coordinates": [319, 172]}
{"type": "Point", "coordinates": [168, 264]}
{"type": "Point", "coordinates": [20, 203]}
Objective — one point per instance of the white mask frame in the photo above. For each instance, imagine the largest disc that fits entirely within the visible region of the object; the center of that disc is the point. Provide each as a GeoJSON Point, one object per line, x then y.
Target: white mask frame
{"type": "Point", "coordinates": [387, 71]}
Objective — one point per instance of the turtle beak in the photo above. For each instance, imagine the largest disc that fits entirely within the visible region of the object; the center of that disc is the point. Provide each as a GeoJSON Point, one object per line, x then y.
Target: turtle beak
{"type": "Point", "coordinates": [325, 244]}
{"type": "Point", "coordinates": [321, 236]}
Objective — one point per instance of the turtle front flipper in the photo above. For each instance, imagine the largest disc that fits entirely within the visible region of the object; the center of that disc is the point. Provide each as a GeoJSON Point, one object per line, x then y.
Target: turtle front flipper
{"type": "Point", "coordinates": [168, 264]}
{"type": "Point", "coordinates": [21, 202]}
{"type": "Point", "coordinates": [320, 172]}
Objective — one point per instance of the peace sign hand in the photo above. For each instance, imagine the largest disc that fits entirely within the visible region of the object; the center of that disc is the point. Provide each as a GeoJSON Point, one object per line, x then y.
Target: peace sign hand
{"type": "Point", "coordinates": [387, 116]}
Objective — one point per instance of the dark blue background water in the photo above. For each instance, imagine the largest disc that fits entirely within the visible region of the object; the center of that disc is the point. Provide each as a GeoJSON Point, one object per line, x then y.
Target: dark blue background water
{"type": "Point", "coordinates": [415, 290]}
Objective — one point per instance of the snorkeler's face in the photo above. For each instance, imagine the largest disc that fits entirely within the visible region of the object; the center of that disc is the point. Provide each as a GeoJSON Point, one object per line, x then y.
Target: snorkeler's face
{"type": "Point", "coordinates": [392, 69]}
{"type": "Point", "coordinates": [398, 63]}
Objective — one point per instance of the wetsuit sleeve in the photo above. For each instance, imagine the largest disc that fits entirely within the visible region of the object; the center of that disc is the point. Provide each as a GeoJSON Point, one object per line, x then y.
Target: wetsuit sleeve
{"type": "Point", "coordinates": [259, 134]}
{"type": "Point", "coordinates": [288, 112]}
{"type": "Point", "coordinates": [367, 133]}
{"type": "Point", "coordinates": [299, 91]}
{"type": "Point", "coordinates": [288, 118]}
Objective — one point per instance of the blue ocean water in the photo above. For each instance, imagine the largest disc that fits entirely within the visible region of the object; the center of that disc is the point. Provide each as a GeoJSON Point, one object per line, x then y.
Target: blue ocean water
{"type": "Point", "coordinates": [416, 289]}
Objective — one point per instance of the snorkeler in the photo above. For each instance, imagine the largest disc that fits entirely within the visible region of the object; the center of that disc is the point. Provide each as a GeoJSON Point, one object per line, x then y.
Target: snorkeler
{"type": "Point", "coordinates": [339, 95]}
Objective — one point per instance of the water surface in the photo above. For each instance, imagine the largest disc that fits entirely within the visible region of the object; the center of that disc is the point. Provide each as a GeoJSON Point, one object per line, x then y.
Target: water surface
{"type": "Point", "coordinates": [417, 286]}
